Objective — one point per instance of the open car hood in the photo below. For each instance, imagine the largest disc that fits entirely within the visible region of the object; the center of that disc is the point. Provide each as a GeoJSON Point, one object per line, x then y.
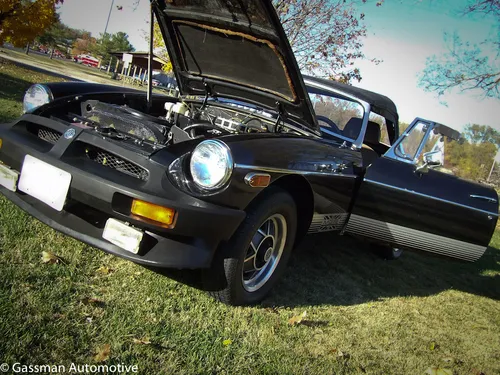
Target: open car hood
{"type": "Point", "coordinates": [235, 49]}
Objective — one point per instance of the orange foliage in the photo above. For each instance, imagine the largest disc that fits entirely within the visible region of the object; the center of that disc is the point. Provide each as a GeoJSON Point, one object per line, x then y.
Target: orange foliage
{"type": "Point", "coordinates": [83, 45]}
{"type": "Point", "coordinates": [21, 21]}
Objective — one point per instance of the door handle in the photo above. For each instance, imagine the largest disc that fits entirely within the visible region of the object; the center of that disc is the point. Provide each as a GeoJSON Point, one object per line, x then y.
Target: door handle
{"type": "Point", "coordinates": [482, 197]}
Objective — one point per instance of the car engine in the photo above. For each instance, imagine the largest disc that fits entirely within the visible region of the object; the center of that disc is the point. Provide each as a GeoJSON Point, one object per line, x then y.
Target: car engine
{"type": "Point", "coordinates": [182, 121]}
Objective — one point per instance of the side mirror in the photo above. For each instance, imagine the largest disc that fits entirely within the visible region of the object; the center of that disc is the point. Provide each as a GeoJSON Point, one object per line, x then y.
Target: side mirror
{"type": "Point", "coordinates": [433, 158]}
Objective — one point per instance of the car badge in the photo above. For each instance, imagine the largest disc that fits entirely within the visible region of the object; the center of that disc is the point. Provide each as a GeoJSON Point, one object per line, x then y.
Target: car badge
{"type": "Point", "coordinates": [70, 133]}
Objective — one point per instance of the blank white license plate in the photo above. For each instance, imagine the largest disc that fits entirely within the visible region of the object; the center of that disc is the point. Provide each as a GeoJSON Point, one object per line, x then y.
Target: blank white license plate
{"type": "Point", "coordinates": [8, 177]}
{"type": "Point", "coordinates": [122, 235]}
{"type": "Point", "coordinates": [44, 182]}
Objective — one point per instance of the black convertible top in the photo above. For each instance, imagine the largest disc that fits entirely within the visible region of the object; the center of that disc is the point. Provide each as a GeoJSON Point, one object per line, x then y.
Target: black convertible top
{"type": "Point", "coordinates": [381, 104]}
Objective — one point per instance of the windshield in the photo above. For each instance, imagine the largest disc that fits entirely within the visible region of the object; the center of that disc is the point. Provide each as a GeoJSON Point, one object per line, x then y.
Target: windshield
{"type": "Point", "coordinates": [337, 115]}
{"type": "Point", "coordinates": [245, 106]}
{"type": "Point", "coordinates": [410, 144]}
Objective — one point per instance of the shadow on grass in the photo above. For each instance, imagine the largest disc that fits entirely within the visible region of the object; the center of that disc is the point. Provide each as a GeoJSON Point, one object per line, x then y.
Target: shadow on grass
{"type": "Point", "coordinates": [12, 88]}
{"type": "Point", "coordinates": [327, 269]}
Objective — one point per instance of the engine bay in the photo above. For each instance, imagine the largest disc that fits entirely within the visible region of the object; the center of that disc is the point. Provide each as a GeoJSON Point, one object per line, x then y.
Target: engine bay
{"type": "Point", "coordinates": [182, 121]}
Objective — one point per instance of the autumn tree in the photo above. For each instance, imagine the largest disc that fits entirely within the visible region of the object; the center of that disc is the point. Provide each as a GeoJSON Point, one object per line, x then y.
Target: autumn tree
{"type": "Point", "coordinates": [470, 160]}
{"type": "Point", "coordinates": [59, 36]}
{"type": "Point", "coordinates": [495, 175]}
{"type": "Point", "coordinates": [83, 45]}
{"type": "Point", "coordinates": [159, 47]}
{"type": "Point", "coordinates": [21, 21]}
{"type": "Point", "coordinates": [326, 36]}
{"type": "Point", "coordinates": [467, 66]}
{"type": "Point", "coordinates": [476, 134]}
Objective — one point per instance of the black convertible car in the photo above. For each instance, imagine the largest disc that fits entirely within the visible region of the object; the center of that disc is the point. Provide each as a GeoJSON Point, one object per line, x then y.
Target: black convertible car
{"type": "Point", "coordinates": [231, 175]}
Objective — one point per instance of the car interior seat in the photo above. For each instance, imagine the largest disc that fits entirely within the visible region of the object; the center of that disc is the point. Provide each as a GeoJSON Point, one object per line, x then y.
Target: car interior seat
{"type": "Point", "coordinates": [372, 136]}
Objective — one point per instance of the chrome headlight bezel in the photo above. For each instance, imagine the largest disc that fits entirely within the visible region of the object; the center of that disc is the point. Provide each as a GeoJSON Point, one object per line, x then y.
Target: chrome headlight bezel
{"type": "Point", "coordinates": [202, 162]}
{"type": "Point", "coordinates": [35, 97]}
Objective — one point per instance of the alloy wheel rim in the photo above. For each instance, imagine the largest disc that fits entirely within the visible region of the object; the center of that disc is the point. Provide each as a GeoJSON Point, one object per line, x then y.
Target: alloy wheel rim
{"type": "Point", "coordinates": [264, 252]}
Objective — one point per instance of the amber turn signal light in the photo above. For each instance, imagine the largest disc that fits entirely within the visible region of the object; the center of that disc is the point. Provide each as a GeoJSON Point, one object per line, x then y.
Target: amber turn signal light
{"type": "Point", "coordinates": [1, 142]}
{"type": "Point", "coordinates": [258, 179]}
{"type": "Point", "coordinates": [159, 214]}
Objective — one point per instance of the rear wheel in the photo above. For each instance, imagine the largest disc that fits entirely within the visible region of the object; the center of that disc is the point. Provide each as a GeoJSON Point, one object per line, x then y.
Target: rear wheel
{"type": "Point", "coordinates": [246, 268]}
{"type": "Point", "coordinates": [387, 252]}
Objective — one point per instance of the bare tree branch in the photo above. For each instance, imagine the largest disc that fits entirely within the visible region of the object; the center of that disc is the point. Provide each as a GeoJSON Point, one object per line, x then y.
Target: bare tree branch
{"type": "Point", "coordinates": [485, 7]}
{"type": "Point", "coordinates": [466, 66]}
{"type": "Point", "coordinates": [325, 35]}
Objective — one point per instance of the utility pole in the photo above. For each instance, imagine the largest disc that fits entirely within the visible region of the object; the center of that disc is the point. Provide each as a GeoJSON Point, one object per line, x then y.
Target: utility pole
{"type": "Point", "coordinates": [109, 16]}
{"type": "Point", "coordinates": [497, 156]}
{"type": "Point", "coordinates": [491, 170]}
{"type": "Point", "coordinates": [150, 59]}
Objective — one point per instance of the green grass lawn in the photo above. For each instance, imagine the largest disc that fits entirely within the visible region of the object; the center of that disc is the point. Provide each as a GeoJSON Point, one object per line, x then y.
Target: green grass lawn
{"type": "Point", "coordinates": [71, 69]}
{"type": "Point", "coordinates": [363, 314]}
{"type": "Point", "coordinates": [60, 66]}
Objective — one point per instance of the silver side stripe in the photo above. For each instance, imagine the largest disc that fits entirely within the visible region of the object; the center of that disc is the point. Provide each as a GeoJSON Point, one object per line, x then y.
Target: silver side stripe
{"type": "Point", "coordinates": [292, 171]}
{"type": "Point", "coordinates": [404, 236]}
{"type": "Point", "coordinates": [327, 222]}
{"type": "Point", "coordinates": [430, 197]}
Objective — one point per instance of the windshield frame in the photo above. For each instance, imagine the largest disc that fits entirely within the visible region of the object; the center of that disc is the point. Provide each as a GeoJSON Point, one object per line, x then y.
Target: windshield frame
{"type": "Point", "coordinates": [358, 142]}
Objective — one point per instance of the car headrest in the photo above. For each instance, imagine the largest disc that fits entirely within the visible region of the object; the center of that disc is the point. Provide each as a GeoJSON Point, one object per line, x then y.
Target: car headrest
{"type": "Point", "coordinates": [372, 134]}
{"type": "Point", "coordinates": [353, 127]}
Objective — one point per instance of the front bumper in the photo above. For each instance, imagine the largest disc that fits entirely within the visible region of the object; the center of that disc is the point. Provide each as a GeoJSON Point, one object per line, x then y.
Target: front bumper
{"type": "Point", "coordinates": [98, 193]}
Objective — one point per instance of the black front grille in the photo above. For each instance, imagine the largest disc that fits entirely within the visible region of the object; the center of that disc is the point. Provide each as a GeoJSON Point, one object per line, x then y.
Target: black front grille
{"type": "Point", "coordinates": [109, 160]}
{"type": "Point", "coordinates": [47, 134]}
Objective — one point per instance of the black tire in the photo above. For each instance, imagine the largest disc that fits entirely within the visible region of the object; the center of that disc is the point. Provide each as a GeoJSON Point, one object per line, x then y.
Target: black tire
{"type": "Point", "coordinates": [387, 252]}
{"type": "Point", "coordinates": [224, 280]}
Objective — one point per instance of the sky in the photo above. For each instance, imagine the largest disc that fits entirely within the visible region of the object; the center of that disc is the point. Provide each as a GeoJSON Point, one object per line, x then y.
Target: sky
{"type": "Point", "coordinates": [402, 33]}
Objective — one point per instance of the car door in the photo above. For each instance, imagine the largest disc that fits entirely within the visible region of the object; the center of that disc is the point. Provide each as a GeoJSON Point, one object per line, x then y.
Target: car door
{"type": "Point", "coordinates": [412, 205]}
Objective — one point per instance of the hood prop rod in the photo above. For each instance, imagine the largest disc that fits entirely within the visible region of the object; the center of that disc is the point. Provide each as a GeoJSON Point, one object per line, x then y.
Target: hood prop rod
{"type": "Point", "coordinates": [279, 109]}
{"type": "Point", "coordinates": [208, 94]}
{"type": "Point", "coordinates": [150, 57]}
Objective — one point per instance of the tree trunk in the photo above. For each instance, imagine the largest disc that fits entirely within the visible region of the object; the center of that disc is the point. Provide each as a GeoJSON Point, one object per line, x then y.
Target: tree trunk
{"type": "Point", "coordinates": [51, 53]}
{"type": "Point", "coordinates": [27, 49]}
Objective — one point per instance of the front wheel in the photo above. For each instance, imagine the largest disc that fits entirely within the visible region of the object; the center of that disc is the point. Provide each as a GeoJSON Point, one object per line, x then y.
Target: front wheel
{"type": "Point", "coordinates": [246, 268]}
